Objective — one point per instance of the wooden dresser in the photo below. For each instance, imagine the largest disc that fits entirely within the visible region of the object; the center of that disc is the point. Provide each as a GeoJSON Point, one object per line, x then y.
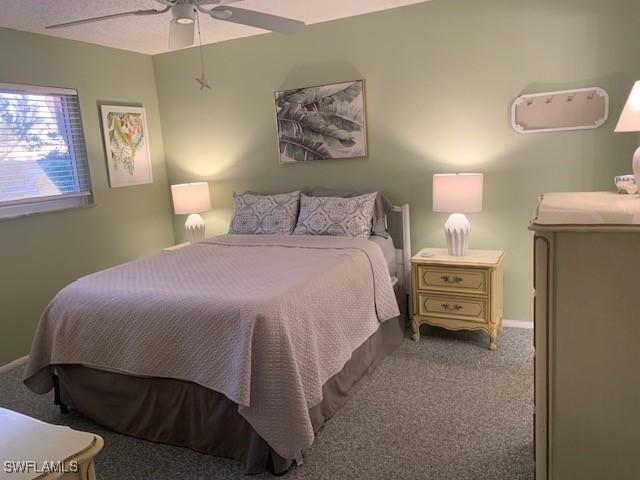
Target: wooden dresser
{"type": "Point", "coordinates": [587, 336]}
{"type": "Point", "coordinates": [458, 293]}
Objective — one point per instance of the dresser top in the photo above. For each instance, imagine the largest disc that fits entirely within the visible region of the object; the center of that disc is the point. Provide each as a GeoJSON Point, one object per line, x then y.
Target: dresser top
{"type": "Point", "coordinates": [473, 257]}
{"type": "Point", "coordinates": [587, 210]}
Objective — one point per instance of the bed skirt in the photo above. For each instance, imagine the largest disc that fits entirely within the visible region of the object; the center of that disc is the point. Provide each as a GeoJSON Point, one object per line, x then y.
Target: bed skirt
{"type": "Point", "coordinates": [185, 414]}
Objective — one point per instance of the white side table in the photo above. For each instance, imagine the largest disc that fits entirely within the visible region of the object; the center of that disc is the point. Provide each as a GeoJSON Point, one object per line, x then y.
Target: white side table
{"type": "Point", "coordinates": [32, 449]}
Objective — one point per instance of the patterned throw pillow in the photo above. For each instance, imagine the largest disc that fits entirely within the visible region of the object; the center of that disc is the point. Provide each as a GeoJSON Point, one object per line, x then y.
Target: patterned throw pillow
{"type": "Point", "coordinates": [346, 217]}
{"type": "Point", "coordinates": [265, 214]}
{"type": "Point", "coordinates": [381, 208]}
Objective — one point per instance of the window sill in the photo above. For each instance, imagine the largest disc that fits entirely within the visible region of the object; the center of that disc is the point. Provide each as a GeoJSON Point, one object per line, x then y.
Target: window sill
{"type": "Point", "coordinates": [11, 212]}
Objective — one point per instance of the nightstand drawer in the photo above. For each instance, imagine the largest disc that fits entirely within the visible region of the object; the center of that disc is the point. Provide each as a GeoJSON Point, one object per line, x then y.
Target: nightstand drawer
{"type": "Point", "coordinates": [471, 280]}
{"type": "Point", "coordinates": [463, 308]}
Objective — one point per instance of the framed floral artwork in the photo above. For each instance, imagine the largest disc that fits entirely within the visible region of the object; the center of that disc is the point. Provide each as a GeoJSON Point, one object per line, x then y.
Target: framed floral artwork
{"type": "Point", "coordinates": [126, 141]}
{"type": "Point", "coordinates": [321, 123]}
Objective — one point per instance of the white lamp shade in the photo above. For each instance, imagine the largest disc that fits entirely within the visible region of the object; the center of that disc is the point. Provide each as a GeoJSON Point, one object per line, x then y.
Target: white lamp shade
{"type": "Point", "coordinates": [630, 117]}
{"type": "Point", "coordinates": [191, 198]}
{"type": "Point", "coordinates": [457, 192]}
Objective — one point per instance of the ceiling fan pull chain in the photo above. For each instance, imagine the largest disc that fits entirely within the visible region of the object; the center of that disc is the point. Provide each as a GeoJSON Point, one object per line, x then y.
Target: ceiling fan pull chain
{"type": "Point", "coordinates": [202, 80]}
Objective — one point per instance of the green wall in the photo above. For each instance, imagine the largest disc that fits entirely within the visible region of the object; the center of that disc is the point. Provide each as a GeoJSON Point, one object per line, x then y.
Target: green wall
{"type": "Point", "coordinates": [440, 79]}
{"type": "Point", "coordinates": [41, 254]}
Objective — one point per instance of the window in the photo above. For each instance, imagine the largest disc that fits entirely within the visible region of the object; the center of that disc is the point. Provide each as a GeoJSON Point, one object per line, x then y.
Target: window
{"type": "Point", "coordinates": [43, 159]}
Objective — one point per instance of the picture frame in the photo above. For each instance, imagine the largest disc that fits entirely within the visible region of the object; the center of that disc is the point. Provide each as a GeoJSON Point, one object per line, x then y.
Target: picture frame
{"type": "Point", "coordinates": [126, 143]}
{"type": "Point", "coordinates": [324, 122]}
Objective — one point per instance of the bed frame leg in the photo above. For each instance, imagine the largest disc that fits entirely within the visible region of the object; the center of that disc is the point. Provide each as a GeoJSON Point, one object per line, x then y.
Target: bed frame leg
{"type": "Point", "coordinates": [56, 396]}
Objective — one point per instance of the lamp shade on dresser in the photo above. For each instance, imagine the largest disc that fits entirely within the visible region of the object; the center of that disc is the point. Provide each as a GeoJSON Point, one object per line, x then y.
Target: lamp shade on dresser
{"type": "Point", "coordinates": [629, 121]}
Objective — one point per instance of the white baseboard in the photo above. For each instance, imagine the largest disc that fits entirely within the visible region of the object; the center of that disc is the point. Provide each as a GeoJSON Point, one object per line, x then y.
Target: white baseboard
{"type": "Point", "coordinates": [517, 324]}
{"type": "Point", "coordinates": [16, 363]}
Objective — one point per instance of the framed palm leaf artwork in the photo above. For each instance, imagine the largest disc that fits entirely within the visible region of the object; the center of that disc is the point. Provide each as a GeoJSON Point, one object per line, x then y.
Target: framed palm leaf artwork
{"type": "Point", "coordinates": [126, 141]}
{"type": "Point", "coordinates": [322, 123]}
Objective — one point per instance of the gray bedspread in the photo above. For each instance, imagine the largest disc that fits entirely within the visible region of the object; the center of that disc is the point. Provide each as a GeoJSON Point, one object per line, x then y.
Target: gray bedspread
{"type": "Point", "coordinates": [265, 320]}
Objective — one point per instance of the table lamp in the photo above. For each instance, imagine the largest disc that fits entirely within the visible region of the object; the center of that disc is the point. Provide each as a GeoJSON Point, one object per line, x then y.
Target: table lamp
{"type": "Point", "coordinates": [457, 194]}
{"type": "Point", "coordinates": [192, 199]}
{"type": "Point", "coordinates": [630, 122]}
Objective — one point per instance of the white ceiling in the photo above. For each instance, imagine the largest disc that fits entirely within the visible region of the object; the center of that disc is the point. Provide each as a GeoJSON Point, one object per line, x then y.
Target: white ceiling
{"type": "Point", "coordinates": [150, 34]}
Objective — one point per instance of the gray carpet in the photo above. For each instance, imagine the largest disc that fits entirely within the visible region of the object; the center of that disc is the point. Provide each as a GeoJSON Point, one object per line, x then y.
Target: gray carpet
{"type": "Point", "coordinates": [443, 408]}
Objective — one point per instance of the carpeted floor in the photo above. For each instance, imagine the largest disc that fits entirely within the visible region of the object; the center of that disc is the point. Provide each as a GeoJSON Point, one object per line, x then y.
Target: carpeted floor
{"type": "Point", "coordinates": [443, 408]}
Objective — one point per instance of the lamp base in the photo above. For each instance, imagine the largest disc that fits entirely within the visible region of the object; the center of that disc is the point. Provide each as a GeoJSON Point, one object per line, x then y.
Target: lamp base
{"type": "Point", "coordinates": [636, 166]}
{"type": "Point", "coordinates": [195, 228]}
{"type": "Point", "coordinates": [457, 229]}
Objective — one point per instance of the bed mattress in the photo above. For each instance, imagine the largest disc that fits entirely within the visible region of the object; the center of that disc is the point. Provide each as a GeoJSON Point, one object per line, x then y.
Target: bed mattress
{"type": "Point", "coordinates": [388, 251]}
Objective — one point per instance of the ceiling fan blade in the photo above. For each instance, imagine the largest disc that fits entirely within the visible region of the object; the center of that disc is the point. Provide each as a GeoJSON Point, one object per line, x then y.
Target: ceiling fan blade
{"type": "Point", "coordinates": [251, 18]}
{"type": "Point", "coordinates": [107, 17]}
{"type": "Point", "coordinates": [180, 34]}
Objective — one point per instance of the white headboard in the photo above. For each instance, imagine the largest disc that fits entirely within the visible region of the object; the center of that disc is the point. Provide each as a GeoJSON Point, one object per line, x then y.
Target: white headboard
{"type": "Point", "coordinates": [403, 255]}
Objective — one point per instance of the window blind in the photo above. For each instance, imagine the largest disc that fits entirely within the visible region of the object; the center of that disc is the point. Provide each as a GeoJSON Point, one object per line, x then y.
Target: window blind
{"type": "Point", "coordinates": [43, 158]}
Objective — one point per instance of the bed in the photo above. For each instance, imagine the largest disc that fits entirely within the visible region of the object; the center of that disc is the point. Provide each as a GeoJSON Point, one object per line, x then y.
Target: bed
{"type": "Point", "coordinates": [240, 346]}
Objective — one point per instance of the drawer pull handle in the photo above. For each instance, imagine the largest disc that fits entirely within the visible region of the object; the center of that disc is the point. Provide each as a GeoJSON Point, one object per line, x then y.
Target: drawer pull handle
{"type": "Point", "coordinates": [455, 307]}
{"type": "Point", "coordinates": [454, 279]}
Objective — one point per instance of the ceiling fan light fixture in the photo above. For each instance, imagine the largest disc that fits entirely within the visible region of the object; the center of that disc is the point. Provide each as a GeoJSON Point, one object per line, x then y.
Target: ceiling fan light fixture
{"type": "Point", "coordinates": [183, 13]}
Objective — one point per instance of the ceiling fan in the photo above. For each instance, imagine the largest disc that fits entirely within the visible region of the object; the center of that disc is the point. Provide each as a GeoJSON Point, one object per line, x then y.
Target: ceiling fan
{"type": "Point", "coordinates": [182, 25]}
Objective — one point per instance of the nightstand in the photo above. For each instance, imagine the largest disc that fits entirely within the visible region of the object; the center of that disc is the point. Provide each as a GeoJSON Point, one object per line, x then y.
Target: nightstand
{"type": "Point", "coordinates": [458, 293]}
